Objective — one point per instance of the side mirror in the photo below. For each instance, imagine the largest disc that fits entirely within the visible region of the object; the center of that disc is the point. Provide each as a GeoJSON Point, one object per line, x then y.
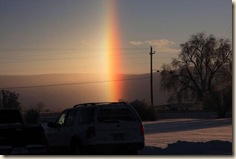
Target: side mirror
{"type": "Point", "coordinates": [52, 125]}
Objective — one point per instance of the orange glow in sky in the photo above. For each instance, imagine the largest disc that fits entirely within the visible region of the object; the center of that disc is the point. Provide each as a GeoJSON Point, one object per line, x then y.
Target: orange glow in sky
{"type": "Point", "coordinates": [113, 53]}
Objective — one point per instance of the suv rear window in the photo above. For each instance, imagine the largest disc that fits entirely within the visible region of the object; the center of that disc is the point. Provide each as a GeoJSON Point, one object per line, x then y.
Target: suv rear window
{"type": "Point", "coordinates": [123, 114]}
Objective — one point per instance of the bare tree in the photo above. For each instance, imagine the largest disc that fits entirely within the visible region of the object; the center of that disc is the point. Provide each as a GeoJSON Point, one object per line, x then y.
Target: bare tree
{"type": "Point", "coordinates": [203, 66]}
{"type": "Point", "coordinates": [9, 99]}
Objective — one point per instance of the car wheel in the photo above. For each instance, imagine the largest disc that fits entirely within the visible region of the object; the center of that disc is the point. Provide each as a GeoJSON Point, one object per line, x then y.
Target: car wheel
{"type": "Point", "coordinates": [132, 152]}
{"type": "Point", "coordinates": [76, 150]}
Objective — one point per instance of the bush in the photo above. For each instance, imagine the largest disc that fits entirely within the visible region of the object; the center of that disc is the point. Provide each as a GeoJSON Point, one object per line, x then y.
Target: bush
{"type": "Point", "coordinates": [221, 102]}
{"type": "Point", "coordinates": [146, 112]}
{"type": "Point", "coordinates": [32, 116]}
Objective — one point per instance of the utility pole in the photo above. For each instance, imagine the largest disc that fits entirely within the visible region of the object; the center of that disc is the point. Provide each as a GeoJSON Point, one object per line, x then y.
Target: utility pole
{"type": "Point", "coordinates": [151, 81]}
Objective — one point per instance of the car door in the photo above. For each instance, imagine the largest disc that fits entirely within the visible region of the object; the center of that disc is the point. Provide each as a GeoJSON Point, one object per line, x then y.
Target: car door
{"type": "Point", "coordinates": [54, 133]}
{"type": "Point", "coordinates": [68, 128]}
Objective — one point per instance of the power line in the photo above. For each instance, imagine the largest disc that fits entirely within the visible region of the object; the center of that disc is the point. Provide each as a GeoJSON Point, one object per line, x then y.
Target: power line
{"type": "Point", "coordinates": [62, 55]}
{"type": "Point", "coordinates": [36, 58]}
{"type": "Point", "coordinates": [69, 49]}
{"type": "Point", "coordinates": [39, 59]}
{"type": "Point", "coordinates": [31, 54]}
{"type": "Point", "coordinates": [52, 56]}
{"type": "Point", "coordinates": [67, 84]}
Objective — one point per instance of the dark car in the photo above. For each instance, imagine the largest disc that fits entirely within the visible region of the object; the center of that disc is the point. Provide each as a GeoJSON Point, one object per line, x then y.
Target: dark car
{"type": "Point", "coordinates": [16, 137]}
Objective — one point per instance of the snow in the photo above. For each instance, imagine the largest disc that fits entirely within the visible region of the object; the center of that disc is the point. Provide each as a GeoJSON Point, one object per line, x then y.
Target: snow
{"type": "Point", "coordinates": [188, 136]}
{"type": "Point", "coordinates": [178, 137]}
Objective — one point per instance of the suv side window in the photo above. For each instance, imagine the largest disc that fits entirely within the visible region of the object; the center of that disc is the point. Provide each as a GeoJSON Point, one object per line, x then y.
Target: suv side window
{"type": "Point", "coordinates": [70, 118]}
{"type": "Point", "coordinates": [62, 118]}
{"type": "Point", "coordinates": [86, 116]}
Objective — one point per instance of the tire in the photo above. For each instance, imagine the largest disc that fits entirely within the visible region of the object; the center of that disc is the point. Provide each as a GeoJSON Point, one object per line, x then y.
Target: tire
{"type": "Point", "coordinates": [132, 152]}
{"type": "Point", "coordinates": [76, 148]}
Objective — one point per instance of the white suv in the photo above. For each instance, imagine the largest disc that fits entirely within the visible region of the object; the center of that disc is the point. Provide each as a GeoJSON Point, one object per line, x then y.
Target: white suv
{"type": "Point", "coordinates": [97, 128]}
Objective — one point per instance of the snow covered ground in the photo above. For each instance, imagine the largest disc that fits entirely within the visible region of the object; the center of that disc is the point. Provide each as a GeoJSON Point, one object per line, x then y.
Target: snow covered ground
{"type": "Point", "coordinates": [178, 137]}
{"type": "Point", "coordinates": [188, 136]}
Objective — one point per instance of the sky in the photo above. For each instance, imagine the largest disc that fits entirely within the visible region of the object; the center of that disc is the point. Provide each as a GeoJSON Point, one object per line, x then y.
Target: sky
{"type": "Point", "coordinates": [102, 36]}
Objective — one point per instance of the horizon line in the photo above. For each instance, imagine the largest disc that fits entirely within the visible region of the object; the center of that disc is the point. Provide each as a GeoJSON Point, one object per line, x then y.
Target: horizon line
{"type": "Point", "coordinates": [42, 74]}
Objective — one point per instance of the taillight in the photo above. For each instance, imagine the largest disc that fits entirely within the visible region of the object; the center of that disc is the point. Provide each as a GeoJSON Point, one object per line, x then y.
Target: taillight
{"type": "Point", "coordinates": [91, 132]}
{"type": "Point", "coordinates": [142, 130]}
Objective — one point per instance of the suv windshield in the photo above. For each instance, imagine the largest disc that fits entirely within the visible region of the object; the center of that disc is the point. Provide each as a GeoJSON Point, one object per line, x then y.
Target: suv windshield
{"type": "Point", "coordinates": [123, 114]}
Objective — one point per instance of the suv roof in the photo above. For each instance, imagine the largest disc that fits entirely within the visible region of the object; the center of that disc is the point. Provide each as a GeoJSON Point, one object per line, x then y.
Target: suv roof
{"type": "Point", "coordinates": [99, 104]}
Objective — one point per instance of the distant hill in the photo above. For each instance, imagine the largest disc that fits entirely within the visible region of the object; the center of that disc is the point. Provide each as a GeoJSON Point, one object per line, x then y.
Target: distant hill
{"type": "Point", "coordinates": [58, 95]}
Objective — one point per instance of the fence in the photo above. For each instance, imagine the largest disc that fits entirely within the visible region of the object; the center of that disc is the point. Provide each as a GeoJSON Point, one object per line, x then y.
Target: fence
{"type": "Point", "coordinates": [202, 115]}
{"type": "Point", "coordinates": [48, 117]}
{"type": "Point", "coordinates": [45, 118]}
